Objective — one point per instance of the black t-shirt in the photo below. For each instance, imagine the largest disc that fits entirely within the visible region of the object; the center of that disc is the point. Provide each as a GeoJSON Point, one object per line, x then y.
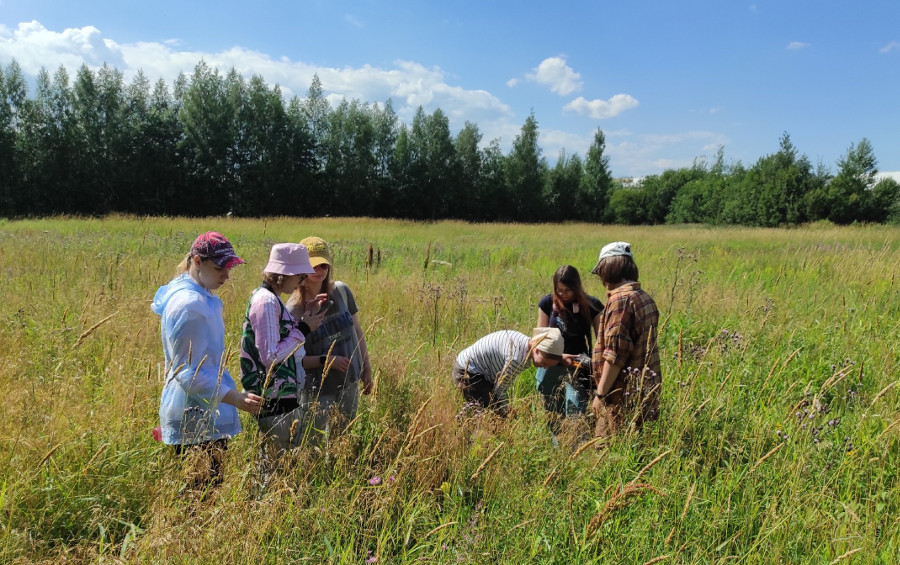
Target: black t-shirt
{"type": "Point", "coordinates": [577, 331]}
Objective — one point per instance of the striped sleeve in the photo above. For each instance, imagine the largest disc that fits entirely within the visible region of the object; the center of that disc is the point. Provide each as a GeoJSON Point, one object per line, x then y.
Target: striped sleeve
{"type": "Point", "coordinates": [500, 353]}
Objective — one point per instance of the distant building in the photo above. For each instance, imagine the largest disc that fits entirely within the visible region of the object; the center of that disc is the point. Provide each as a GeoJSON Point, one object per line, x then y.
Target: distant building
{"type": "Point", "coordinates": [629, 182]}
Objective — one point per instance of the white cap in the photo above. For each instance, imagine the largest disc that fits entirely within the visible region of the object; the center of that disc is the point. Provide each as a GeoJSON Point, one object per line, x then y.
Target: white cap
{"type": "Point", "coordinates": [613, 249]}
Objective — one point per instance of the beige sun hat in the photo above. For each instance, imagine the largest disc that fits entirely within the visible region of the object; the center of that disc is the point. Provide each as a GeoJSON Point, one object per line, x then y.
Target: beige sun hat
{"type": "Point", "coordinates": [548, 340]}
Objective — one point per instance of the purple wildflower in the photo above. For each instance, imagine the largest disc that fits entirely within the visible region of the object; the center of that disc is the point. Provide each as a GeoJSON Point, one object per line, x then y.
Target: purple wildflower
{"type": "Point", "coordinates": [375, 481]}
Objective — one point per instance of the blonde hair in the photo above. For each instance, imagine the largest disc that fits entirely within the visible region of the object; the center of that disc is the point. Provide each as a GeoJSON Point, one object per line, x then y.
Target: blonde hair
{"type": "Point", "coordinates": [184, 266]}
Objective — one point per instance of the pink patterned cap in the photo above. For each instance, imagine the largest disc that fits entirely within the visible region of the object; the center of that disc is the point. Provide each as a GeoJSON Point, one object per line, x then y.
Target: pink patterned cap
{"type": "Point", "coordinates": [216, 247]}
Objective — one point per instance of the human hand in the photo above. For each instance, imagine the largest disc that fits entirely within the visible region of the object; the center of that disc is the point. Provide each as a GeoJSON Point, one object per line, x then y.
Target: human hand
{"type": "Point", "coordinates": [597, 405]}
{"type": "Point", "coordinates": [338, 363]}
{"type": "Point", "coordinates": [312, 320]}
{"type": "Point", "coordinates": [316, 303]}
{"type": "Point", "coordinates": [366, 379]}
{"type": "Point", "coordinates": [246, 401]}
{"type": "Point", "coordinates": [569, 359]}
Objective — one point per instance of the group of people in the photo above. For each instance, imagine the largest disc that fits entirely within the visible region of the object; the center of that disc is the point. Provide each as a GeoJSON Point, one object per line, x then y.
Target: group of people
{"type": "Point", "coordinates": [304, 361]}
{"type": "Point", "coordinates": [620, 373]}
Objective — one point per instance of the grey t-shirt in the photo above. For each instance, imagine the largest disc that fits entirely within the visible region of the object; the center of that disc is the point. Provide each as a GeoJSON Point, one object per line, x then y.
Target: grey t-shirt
{"type": "Point", "coordinates": [336, 328]}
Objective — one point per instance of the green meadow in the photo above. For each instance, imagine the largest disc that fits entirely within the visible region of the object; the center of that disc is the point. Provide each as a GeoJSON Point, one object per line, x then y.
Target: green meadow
{"type": "Point", "coordinates": [778, 442]}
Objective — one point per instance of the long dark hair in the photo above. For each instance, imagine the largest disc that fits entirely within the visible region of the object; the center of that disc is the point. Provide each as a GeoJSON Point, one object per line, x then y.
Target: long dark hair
{"type": "Point", "coordinates": [568, 276]}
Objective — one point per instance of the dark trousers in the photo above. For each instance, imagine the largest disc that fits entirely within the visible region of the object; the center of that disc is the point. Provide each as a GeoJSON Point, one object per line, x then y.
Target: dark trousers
{"type": "Point", "coordinates": [204, 463]}
{"type": "Point", "coordinates": [476, 389]}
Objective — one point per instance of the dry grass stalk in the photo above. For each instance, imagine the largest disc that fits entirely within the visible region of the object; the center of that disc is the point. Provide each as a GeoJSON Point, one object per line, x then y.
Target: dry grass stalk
{"type": "Point", "coordinates": [572, 519]}
{"type": "Point", "coordinates": [882, 392]}
{"type": "Point", "coordinates": [846, 555]}
{"type": "Point", "coordinates": [377, 443]}
{"type": "Point", "coordinates": [766, 456]}
{"type": "Point", "coordinates": [684, 512]}
{"type": "Point", "coordinates": [659, 559]}
{"type": "Point", "coordinates": [775, 366]}
{"type": "Point", "coordinates": [836, 378]}
{"type": "Point", "coordinates": [581, 449]}
{"type": "Point", "coordinates": [850, 511]}
{"type": "Point", "coordinates": [91, 329]}
{"type": "Point", "coordinates": [702, 405]}
{"type": "Point", "coordinates": [522, 524]}
{"type": "Point", "coordinates": [619, 500]}
{"type": "Point", "coordinates": [48, 456]}
{"type": "Point", "coordinates": [441, 527]}
{"type": "Point", "coordinates": [415, 420]}
{"type": "Point", "coordinates": [425, 431]}
{"type": "Point", "coordinates": [649, 466]}
{"type": "Point", "coordinates": [485, 462]}
{"type": "Point", "coordinates": [329, 361]}
{"type": "Point", "coordinates": [94, 458]}
{"type": "Point", "coordinates": [550, 477]}
{"type": "Point", "coordinates": [892, 425]}
{"type": "Point", "coordinates": [687, 502]}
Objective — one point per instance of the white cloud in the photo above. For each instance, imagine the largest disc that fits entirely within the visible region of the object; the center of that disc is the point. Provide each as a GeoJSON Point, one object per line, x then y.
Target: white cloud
{"type": "Point", "coordinates": [653, 153]}
{"type": "Point", "coordinates": [797, 45]}
{"type": "Point", "coordinates": [559, 76]}
{"type": "Point", "coordinates": [890, 46]}
{"type": "Point", "coordinates": [407, 83]}
{"type": "Point", "coordinates": [686, 136]}
{"type": "Point", "coordinates": [889, 175]}
{"type": "Point", "coordinates": [352, 20]}
{"type": "Point", "coordinates": [601, 109]}
{"type": "Point", "coordinates": [554, 141]}
{"type": "Point", "coordinates": [665, 164]}
{"type": "Point", "coordinates": [512, 83]}
{"type": "Point", "coordinates": [32, 45]}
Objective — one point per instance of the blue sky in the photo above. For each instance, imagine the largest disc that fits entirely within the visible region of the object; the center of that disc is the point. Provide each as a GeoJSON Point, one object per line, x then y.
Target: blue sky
{"type": "Point", "coordinates": [668, 82]}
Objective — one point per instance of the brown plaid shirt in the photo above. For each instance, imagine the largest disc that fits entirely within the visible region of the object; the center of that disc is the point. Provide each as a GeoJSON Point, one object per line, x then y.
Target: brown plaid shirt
{"type": "Point", "coordinates": [628, 338]}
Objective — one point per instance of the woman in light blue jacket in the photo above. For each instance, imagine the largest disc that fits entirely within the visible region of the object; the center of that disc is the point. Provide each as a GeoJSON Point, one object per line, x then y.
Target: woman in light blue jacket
{"type": "Point", "coordinates": [198, 409]}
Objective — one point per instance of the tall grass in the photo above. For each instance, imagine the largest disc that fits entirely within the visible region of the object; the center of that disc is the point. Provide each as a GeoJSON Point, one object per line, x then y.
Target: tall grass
{"type": "Point", "coordinates": [778, 440]}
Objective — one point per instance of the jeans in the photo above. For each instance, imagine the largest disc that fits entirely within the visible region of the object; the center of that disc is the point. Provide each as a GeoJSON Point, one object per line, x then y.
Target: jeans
{"type": "Point", "coordinates": [563, 395]}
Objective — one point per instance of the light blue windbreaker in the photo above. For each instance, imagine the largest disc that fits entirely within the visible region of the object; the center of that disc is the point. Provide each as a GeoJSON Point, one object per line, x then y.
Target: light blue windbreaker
{"type": "Point", "coordinates": [193, 338]}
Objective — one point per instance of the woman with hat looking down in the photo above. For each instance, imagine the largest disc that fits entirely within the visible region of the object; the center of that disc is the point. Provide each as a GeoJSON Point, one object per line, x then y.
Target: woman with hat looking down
{"type": "Point", "coordinates": [337, 359]}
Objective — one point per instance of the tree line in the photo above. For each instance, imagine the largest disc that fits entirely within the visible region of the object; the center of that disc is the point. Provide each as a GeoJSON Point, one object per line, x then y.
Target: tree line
{"type": "Point", "coordinates": [218, 143]}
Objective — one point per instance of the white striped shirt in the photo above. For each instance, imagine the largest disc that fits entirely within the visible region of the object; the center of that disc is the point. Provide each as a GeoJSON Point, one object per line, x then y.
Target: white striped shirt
{"type": "Point", "coordinates": [499, 356]}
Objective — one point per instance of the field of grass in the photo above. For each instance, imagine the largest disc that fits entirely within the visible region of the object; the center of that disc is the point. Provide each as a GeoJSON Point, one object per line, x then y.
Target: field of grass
{"type": "Point", "coordinates": [779, 439]}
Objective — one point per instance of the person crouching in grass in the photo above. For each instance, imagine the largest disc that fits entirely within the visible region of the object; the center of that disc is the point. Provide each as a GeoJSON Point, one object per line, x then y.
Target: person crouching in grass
{"type": "Point", "coordinates": [625, 362]}
{"type": "Point", "coordinates": [486, 369]}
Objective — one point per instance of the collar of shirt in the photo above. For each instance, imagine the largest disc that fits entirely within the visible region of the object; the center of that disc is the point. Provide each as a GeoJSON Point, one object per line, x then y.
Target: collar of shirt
{"type": "Point", "coordinates": [624, 288]}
